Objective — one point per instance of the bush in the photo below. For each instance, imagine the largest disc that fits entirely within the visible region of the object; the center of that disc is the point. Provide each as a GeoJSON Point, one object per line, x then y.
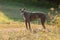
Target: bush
{"type": "Point", "coordinates": [58, 21]}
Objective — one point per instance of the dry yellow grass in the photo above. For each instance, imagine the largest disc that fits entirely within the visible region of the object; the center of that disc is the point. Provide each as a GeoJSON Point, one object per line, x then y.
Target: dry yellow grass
{"type": "Point", "coordinates": [17, 31]}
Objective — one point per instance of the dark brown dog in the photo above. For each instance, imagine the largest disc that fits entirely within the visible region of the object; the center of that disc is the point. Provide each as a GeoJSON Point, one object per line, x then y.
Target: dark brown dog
{"type": "Point", "coordinates": [31, 16]}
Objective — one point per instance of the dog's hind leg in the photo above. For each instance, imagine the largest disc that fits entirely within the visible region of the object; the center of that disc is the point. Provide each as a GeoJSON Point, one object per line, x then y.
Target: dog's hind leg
{"type": "Point", "coordinates": [43, 22]}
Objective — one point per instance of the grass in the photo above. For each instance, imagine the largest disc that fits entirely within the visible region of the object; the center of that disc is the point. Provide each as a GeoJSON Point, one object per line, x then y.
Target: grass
{"type": "Point", "coordinates": [14, 31]}
{"type": "Point", "coordinates": [11, 9]}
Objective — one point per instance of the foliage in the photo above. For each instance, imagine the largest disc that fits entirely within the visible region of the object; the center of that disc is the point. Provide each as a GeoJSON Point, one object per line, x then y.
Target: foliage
{"type": "Point", "coordinates": [39, 3]}
{"type": "Point", "coordinates": [3, 18]}
{"type": "Point", "coordinates": [58, 21]}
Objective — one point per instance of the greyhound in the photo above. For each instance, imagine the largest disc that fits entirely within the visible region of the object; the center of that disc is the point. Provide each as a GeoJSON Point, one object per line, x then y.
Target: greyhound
{"type": "Point", "coordinates": [31, 16]}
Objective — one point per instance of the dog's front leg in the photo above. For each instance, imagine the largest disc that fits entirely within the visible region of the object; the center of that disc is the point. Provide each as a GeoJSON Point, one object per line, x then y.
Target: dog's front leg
{"type": "Point", "coordinates": [26, 24]}
{"type": "Point", "coordinates": [29, 24]}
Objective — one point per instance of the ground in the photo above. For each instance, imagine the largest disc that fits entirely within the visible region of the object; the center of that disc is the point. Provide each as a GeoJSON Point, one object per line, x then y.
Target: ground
{"type": "Point", "coordinates": [17, 31]}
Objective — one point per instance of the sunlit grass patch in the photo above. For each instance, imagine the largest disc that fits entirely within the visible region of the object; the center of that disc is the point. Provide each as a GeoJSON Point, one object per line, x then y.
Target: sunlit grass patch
{"type": "Point", "coordinates": [4, 18]}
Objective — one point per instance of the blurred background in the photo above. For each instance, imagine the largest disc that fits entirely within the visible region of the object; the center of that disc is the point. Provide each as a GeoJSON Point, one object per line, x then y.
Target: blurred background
{"type": "Point", "coordinates": [9, 10]}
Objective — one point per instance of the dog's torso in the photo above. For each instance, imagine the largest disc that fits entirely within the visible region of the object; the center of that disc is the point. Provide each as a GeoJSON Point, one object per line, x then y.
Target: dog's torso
{"type": "Point", "coordinates": [33, 16]}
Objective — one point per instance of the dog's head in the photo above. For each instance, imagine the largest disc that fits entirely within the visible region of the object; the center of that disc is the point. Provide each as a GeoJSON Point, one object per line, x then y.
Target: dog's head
{"type": "Point", "coordinates": [22, 9]}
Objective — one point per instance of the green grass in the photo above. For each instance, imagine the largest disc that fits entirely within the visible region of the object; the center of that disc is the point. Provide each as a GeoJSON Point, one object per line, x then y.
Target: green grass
{"type": "Point", "coordinates": [11, 9]}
